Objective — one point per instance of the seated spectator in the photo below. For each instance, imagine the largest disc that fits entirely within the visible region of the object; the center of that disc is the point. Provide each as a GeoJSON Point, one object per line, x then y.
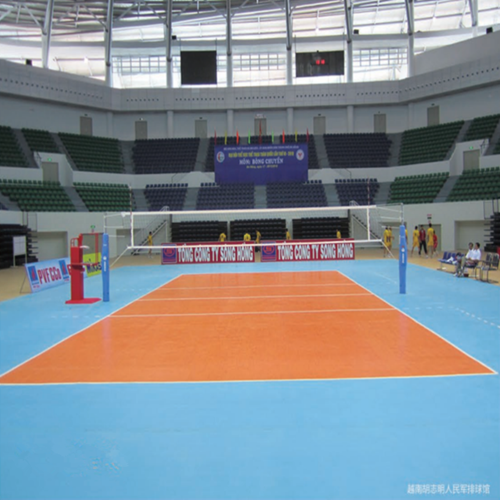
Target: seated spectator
{"type": "Point", "coordinates": [471, 259]}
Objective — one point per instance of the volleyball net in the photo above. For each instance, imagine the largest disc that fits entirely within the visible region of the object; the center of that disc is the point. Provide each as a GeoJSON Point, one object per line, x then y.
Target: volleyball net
{"type": "Point", "coordinates": [155, 232]}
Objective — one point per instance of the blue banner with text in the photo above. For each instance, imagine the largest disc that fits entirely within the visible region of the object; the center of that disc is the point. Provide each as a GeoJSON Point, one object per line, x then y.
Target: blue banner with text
{"type": "Point", "coordinates": [261, 163]}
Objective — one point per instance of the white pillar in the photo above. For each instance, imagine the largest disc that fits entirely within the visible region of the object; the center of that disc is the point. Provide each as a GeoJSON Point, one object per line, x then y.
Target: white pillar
{"type": "Point", "coordinates": [410, 115]}
{"type": "Point", "coordinates": [349, 62]}
{"type": "Point", "coordinates": [350, 119]}
{"type": "Point", "coordinates": [289, 120]}
{"type": "Point", "coordinates": [230, 122]}
{"type": "Point", "coordinates": [170, 124]}
{"type": "Point", "coordinates": [411, 55]}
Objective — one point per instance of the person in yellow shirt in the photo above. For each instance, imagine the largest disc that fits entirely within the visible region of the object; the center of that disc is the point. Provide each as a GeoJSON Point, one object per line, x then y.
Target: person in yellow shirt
{"type": "Point", "coordinates": [387, 241]}
{"type": "Point", "coordinates": [247, 238]}
{"type": "Point", "coordinates": [415, 240]}
{"type": "Point", "coordinates": [288, 235]}
{"type": "Point", "coordinates": [222, 237]}
{"type": "Point", "coordinates": [258, 236]}
{"type": "Point", "coordinates": [150, 244]}
{"type": "Point", "coordinates": [430, 240]}
{"type": "Point", "coordinates": [339, 236]}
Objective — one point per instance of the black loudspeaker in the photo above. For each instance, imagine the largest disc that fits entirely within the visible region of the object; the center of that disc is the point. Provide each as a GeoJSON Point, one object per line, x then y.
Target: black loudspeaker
{"type": "Point", "coordinates": [489, 30]}
{"type": "Point", "coordinates": [29, 62]}
{"type": "Point", "coordinates": [174, 37]}
{"type": "Point", "coordinates": [355, 32]}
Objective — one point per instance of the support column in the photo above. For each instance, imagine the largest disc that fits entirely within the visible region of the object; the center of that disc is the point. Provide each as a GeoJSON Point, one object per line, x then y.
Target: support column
{"type": "Point", "coordinates": [350, 119]}
{"type": "Point", "coordinates": [411, 41]}
{"type": "Point", "coordinates": [170, 124]}
{"type": "Point", "coordinates": [47, 32]}
{"type": "Point", "coordinates": [289, 39]}
{"type": "Point", "coordinates": [289, 121]}
{"type": "Point", "coordinates": [108, 40]}
{"type": "Point", "coordinates": [168, 40]}
{"type": "Point", "coordinates": [230, 122]}
{"type": "Point", "coordinates": [410, 115]}
{"type": "Point", "coordinates": [473, 15]}
{"type": "Point", "coordinates": [109, 124]}
{"type": "Point", "coordinates": [229, 46]}
{"type": "Point", "coordinates": [348, 27]}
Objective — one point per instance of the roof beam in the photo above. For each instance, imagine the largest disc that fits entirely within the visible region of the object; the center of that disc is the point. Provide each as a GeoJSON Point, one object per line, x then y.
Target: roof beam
{"type": "Point", "coordinates": [46, 33]}
{"type": "Point", "coordinates": [410, 19]}
{"type": "Point", "coordinates": [108, 43]}
{"type": "Point", "coordinates": [289, 42]}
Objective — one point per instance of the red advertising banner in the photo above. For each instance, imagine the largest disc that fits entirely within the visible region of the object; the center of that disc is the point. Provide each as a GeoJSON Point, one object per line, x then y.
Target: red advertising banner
{"type": "Point", "coordinates": [271, 251]}
{"type": "Point", "coordinates": [216, 253]}
{"type": "Point", "coordinates": [294, 251]}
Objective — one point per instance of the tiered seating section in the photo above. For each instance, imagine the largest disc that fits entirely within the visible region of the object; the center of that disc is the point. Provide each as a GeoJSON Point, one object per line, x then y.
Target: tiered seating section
{"type": "Point", "coordinates": [481, 184]}
{"type": "Point", "coordinates": [11, 154]}
{"type": "Point", "coordinates": [270, 229]}
{"type": "Point", "coordinates": [357, 150]}
{"type": "Point", "coordinates": [7, 233]}
{"type": "Point", "coordinates": [225, 196]}
{"type": "Point", "coordinates": [166, 195]}
{"type": "Point", "coordinates": [37, 196]}
{"type": "Point", "coordinates": [311, 148]}
{"type": "Point", "coordinates": [194, 231]}
{"type": "Point", "coordinates": [311, 228]}
{"type": "Point", "coordinates": [482, 128]}
{"type": "Point", "coordinates": [156, 156]}
{"type": "Point", "coordinates": [209, 162]}
{"type": "Point", "coordinates": [494, 233]}
{"type": "Point", "coordinates": [100, 197]}
{"type": "Point", "coordinates": [428, 144]}
{"type": "Point", "coordinates": [96, 154]}
{"type": "Point", "coordinates": [362, 191]}
{"type": "Point", "coordinates": [296, 194]}
{"type": "Point", "coordinates": [40, 140]}
{"type": "Point", "coordinates": [412, 189]}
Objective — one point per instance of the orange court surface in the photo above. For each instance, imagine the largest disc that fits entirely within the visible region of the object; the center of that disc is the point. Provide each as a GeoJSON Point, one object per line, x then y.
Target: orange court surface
{"type": "Point", "coordinates": [250, 327]}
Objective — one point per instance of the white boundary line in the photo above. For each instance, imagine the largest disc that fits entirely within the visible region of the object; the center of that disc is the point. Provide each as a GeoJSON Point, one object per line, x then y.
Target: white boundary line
{"type": "Point", "coordinates": [426, 327]}
{"type": "Point", "coordinates": [258, 297]}
{"type": "Point", "coordinates": [247, 313]}
{"type": "Point", "coordinates": [340, 379]}
{"type": "Point", "coordinates": [76, 333]}
{"type": "Point", "coordinates": [255, 286]}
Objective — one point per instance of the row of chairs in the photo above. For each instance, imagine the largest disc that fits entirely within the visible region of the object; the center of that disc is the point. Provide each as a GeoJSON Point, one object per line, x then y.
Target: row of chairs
{"type": "Point", "coordinates": [489, 263]}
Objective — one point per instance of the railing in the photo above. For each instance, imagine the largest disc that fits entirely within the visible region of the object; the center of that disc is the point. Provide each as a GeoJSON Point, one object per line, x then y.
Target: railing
{"type": "Point", "coordinates": [154, 226]}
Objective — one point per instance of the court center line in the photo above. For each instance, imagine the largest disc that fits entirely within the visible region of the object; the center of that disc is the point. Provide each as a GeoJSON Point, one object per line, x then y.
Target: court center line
{"type": "Point", "coordinates": [246, 313]}
{"type": "Point", "coordinates": [260, 297]}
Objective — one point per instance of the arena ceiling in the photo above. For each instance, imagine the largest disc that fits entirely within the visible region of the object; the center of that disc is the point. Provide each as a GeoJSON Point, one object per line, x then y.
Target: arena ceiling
{"type": "Point", "coordinates": [78, 26]}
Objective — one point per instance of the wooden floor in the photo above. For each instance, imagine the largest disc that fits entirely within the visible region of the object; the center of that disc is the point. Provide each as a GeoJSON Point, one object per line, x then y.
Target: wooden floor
{"type": "Point", "coordinates": [12, 279]}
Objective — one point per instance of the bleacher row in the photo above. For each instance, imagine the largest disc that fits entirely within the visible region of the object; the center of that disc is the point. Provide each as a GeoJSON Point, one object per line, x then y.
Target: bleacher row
{"type": "Point", "coordinates": [483, 184]}
{"type": "Point", "coordinates": [360, 150]}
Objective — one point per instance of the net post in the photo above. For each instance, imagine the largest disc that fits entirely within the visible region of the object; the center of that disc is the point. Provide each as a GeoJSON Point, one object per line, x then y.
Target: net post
{"type": "Point", "coordinates": [105, 267]}
{"type": "Point", "coordinates": [402, 259]}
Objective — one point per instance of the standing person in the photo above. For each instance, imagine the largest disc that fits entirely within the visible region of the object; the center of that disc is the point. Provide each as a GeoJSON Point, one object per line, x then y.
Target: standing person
{"type": "Point", "coordinates": [222, 237]}
{"type": "Point", "coordinates": [339, 235]}
{"type": "Point", "coordinates": [435, 242]}
{"type": "Point", "coordinates": [462, 260]}
{"type": "Point", "coordinates": [421, 240]}
{"type": "Point", "coordinates": [258, 236]}
{"type": "Point", "coordinates": [150, 244]}
{"type": "Point", "coordinates": [387, 241]}
{"type": "Point", "coordinates": [247, 237]}
{"type": "Point", "coordinates": [288, 235]}
{"type": "Point", "coordinates": [430, 240]}
{"type": "Point", "coordinates": [415, 240]}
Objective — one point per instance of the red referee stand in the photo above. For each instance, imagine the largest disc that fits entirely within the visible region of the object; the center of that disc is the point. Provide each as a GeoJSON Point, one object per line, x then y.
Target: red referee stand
{"type": "Point", "coordinates": [76, 271]}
